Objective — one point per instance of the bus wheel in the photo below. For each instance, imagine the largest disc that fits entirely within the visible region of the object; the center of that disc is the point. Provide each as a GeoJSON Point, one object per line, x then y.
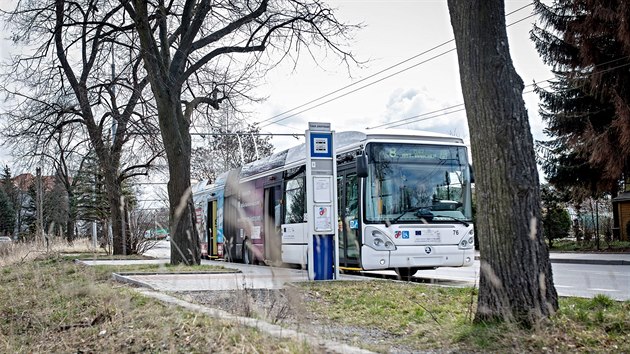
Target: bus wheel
{"type": "Point", "coordinates": [247, 252]}
{"type": "Point", "coordinates": [405, 273]}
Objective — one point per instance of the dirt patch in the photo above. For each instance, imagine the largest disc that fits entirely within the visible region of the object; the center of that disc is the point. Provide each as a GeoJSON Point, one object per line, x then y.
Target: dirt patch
{"type": "Point", "coordinates": [287, 307]}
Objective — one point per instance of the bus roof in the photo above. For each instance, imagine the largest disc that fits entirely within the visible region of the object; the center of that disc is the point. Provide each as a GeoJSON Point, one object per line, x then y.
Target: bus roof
{"type": "Point", "coordinates": [344, 141]}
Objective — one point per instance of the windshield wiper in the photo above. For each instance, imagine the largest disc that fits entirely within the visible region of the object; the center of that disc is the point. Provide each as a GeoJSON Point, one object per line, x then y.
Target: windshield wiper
{"type": "Point", "coordinates": [416, 209]}
{"type": "Point", "coordinates": [453, 218]}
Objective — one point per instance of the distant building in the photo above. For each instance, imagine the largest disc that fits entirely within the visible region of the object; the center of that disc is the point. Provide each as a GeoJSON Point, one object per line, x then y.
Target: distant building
{"type": "Point", "coordinates": [621, 205]}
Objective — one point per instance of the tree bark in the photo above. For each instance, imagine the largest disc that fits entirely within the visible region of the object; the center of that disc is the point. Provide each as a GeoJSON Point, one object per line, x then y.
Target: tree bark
{"type": "Point", "coordinates": [516, 281]}
{"type": "Point", "coordinates": [185, 246]}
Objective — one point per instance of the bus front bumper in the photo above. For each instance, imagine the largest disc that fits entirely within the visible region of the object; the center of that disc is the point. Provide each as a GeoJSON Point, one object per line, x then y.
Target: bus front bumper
{"type": "Point", "coordinates": [417, 256]}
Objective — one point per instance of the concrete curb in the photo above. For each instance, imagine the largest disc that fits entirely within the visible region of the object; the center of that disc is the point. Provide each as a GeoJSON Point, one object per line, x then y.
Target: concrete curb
{"type": "Point", "coordinates": [584, 261]}
{"type": "Point", "coordinates": [123, 279]}
{"type": "Point", "coordinates": [592, 261]}
{"type": "Point", "coordinates": [271, 329]}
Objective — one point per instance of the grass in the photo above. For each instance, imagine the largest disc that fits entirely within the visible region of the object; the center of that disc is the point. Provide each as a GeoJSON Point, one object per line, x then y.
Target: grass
{"type": "Point", "coordinates": [413, 317]}
{"type": "Point", "coordinates": [53, 305]}
{"type": "Point", "coordinates": [568, 245]}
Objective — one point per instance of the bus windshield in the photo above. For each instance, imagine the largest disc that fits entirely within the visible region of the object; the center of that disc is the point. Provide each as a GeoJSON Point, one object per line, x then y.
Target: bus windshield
{"type": "Point", "coordinates": [417, 183]}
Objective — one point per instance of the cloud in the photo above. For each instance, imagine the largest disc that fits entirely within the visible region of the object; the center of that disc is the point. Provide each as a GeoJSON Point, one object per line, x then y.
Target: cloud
{"type": "Point", "coordinates": [417, 109]}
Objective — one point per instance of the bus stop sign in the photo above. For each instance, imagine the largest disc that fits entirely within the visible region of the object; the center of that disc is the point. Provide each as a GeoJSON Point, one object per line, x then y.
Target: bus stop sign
{"type": "Point", "coordinates": [321, 202]}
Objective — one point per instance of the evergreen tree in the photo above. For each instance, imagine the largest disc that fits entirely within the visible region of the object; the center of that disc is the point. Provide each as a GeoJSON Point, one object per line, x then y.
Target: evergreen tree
{"type": "Point", "coordinates": [90, 196]}
{"type": "Point", "coordinates": [11, 193]}
{"type": "Point", "coordinates": [7, 214]}
{"type": "Point", "coordinates": [556, 220]}
{"type": "Point", "coordinates": [56, 206]}
{"type": "Point", "coordinates": [571, 115]}
{"type": "Point", "coordinates": [588, 108]}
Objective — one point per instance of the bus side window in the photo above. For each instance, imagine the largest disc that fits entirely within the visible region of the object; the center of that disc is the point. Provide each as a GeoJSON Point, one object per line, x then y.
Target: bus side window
{"type": "Point", "coordinates": [295, 199]}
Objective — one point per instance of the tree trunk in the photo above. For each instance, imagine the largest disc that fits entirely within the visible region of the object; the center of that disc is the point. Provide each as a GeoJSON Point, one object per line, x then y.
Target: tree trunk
{"type": "Point", "coordinates": [71, 223]}
{"type": "Point", "coordinates": [175, 133]}
{"type": "Point", "coordinates": [516, 281]}
{"type": "Point", "coordinates": [185, 246]}
{"type": "Point", "coordinates": [114, 194]}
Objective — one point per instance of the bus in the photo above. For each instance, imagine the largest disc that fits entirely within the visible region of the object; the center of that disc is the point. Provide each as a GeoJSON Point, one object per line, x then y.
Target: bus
{"type": "Point", "coordinates": [404, 204]}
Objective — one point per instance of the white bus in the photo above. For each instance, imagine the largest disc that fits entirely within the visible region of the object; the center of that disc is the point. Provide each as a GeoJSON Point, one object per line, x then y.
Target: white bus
{"type": "Point", "coordinates": [404, 202]}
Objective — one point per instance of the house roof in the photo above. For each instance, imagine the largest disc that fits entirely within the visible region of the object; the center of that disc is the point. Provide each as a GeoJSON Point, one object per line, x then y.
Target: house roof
{"type": "Point", "coordinates": [623, 197]}
{"type": "Point", "coordinates": [24, 181]}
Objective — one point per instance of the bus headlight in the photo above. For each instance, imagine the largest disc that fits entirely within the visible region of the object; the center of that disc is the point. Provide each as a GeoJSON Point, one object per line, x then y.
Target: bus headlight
{"type": "Point", "coordinates": [378, 240]}
{"type": "Point", "coordinates": [468, 240]}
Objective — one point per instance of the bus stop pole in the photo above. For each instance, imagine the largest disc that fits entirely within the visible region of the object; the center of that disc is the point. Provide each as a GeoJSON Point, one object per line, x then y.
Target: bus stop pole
{"type": "Point", "coordinates": [321, 202]}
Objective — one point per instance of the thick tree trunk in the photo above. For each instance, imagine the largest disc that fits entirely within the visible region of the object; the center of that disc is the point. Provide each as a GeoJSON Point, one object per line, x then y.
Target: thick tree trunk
{"type": "Point", "coordinates": [516, 281]}
{"type": "Point", "coordinates": [114, 194]}
{"type": "Point", "coordinates": [177, 143]}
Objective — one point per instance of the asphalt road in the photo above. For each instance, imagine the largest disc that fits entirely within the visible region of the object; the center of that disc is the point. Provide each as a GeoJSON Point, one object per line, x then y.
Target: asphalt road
{"type": "Point", "coordinates": [583, 280]}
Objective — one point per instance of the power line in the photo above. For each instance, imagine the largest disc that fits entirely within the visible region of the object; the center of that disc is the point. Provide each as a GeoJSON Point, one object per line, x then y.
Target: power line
{"type": "Point", "coordinates": [359, 88]}
{"type": "Point", "coordinates": [246, 133]}
{"type": "Point", "coordinates": [389, 124]}
{"type": "Point", "coordinates": [412, 119]}
{"type": "Point", "coordinates": [373, 75]}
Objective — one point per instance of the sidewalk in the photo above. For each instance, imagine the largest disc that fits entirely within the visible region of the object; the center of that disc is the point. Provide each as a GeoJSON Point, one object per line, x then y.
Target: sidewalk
{"type": "Point", "coordinates": [586, 258]}
{"type": "Point", "coordinates": [590, 258]}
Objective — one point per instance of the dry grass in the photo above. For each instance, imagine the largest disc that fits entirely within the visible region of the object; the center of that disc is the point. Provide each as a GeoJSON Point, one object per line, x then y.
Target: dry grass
{"type": "Point", "coordinates": [410, 317]}
{"type": "Point", "coordinates": [27, 251]}
{"type": "Point", "coordinates": [52, 305]}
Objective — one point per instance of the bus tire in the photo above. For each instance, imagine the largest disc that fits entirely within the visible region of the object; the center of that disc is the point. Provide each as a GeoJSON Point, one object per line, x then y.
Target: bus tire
{"type": "Point", "coordinates": [405, 273]}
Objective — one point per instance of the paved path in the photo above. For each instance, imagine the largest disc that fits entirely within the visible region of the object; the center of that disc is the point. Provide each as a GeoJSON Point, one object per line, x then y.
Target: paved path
{"type": "Point", "coordinates": [247, 277]}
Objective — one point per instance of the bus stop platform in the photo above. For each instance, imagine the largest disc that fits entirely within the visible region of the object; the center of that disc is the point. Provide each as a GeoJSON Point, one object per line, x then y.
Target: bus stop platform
{"type": "Point", "coordinates": [243, 277]}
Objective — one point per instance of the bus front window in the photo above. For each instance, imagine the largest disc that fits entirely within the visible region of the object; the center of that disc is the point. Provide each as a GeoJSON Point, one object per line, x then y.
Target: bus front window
{"type": "Point", "coordinates": [408, 182]}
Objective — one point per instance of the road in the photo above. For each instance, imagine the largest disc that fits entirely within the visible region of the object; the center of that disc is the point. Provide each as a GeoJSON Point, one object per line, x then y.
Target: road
{"type": "Point", "coordinates": [583, 280]}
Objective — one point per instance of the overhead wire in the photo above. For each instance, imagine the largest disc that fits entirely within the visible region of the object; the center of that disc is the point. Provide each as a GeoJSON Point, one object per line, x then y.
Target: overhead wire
{"type": "Point", "coordinates": [409, 120]}
{"type": "Point", "coordinates": [270, 120]}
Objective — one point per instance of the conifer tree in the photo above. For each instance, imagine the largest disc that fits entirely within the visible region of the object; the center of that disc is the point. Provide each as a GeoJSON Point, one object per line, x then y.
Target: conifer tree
{"type": "Point", "coordinates": [7, 214]}
{"type": "Point", "coordinates": [588, 107]}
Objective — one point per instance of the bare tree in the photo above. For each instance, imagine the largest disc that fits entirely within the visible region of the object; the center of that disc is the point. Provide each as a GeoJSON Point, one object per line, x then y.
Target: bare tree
{"type": "Point", "coordinates": [228, 149]}
{"type": "Point", "coordinates": [516, 281]}
{"type": "Point", "coordinates": [197, 54]}
{"type": "Point", "coordinates": [64, 81]}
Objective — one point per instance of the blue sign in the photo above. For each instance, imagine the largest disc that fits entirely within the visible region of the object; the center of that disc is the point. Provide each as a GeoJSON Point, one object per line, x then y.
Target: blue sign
{"type": "Point", "coordinates": [321, 145]}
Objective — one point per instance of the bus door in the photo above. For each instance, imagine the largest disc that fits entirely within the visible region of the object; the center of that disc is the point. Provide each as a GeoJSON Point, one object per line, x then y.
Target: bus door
{"type": "Point", "coordinates": [272, 222]}
{"type": "Point", "coordinates": [212, 229]}
{"type": "Point", "coordinates": [348, 219]}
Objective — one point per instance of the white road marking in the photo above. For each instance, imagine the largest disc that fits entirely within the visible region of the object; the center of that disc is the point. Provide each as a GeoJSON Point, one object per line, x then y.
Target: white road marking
{"type": "Point", "coordinates": [599, 289]}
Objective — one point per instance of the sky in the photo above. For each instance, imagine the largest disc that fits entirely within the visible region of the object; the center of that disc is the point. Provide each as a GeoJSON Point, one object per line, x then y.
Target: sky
{"type": "Point", "coordinates": [394, 31]}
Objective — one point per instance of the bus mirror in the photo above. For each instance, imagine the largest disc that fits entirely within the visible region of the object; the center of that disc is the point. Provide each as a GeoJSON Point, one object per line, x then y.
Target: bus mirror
{"type": "Point", "coordinates": [472, 175]}
{"type": "Point", "coordinates": [362, 166]}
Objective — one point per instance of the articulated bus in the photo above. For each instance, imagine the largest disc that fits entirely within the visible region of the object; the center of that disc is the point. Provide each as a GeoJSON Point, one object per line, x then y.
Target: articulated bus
{"type": "Point", "coordinates": [404, 204]}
